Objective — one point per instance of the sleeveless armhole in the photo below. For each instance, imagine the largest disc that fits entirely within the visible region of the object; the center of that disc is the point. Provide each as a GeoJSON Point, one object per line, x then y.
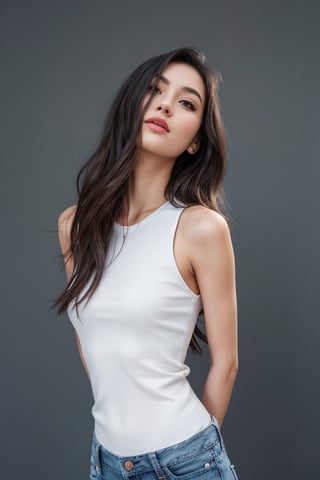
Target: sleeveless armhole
{"type": "Point", "coordinates": [183, 282]}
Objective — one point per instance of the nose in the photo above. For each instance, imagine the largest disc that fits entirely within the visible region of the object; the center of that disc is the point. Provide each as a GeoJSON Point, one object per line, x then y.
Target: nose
{"type": "Point", "coordinates": [164, 106]}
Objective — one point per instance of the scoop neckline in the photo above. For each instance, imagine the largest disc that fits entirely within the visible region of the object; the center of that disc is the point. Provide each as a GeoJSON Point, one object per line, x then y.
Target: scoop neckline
{"type": "Point", "coordinates": [144, 220]}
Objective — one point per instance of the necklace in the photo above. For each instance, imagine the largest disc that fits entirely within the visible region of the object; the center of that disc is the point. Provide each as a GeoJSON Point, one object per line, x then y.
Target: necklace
{"type": "Point", "coordinates": [124, 233]}
{"type": "Point", "coordinates": [125, 226]}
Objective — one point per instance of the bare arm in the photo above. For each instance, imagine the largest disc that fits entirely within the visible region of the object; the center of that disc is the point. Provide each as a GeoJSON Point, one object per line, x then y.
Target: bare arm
{"type": "Point", "coordinates": [64, 228]}
{"type": "Point", "coordinates": [212, 259]}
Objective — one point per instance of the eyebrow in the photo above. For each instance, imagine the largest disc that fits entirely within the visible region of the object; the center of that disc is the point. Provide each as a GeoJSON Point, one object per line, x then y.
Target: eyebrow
{"type": "Point", "coordinates": [185, 89]}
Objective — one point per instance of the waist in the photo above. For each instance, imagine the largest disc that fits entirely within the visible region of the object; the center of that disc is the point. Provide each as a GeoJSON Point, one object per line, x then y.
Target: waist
{"type": "Point", "coordinates": [139, 464]}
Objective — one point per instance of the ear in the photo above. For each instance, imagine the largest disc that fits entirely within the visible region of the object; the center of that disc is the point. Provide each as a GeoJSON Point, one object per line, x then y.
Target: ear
{"type": "Point", "coordinates": [194, 146]}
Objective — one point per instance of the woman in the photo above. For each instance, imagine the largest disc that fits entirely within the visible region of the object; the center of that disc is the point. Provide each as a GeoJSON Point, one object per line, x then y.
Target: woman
{"type": "Point", "coordinates": [146, 249]}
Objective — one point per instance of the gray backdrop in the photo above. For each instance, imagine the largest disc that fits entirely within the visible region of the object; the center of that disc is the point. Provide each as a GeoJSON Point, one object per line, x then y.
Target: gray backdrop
{"type": "Point", "coordinates": [61, 63]}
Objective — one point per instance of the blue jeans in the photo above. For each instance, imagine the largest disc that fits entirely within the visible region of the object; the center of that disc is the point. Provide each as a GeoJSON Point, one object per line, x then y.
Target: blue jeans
{"type": "Point", "coordinates": [203, 456]}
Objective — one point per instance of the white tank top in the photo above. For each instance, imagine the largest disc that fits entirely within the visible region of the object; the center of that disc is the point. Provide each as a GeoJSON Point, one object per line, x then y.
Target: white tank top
{"type": "Point", "coordinates": [134, 334]}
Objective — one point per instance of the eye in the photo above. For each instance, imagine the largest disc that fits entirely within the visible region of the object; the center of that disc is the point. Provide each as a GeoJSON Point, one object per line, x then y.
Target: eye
{"type": "Point", "coordinates": [154, 88]}
{"type": "Point", "coordinates": [188, 104]}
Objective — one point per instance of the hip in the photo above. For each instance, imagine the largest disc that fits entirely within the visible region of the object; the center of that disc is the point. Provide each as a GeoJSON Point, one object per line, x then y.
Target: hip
{"type": "Point", "coordinates": [201, 455]}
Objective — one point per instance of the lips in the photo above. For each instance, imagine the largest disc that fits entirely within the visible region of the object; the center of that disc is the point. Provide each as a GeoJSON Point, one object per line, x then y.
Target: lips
{"type": "Point", "coordinates": [158, 121]}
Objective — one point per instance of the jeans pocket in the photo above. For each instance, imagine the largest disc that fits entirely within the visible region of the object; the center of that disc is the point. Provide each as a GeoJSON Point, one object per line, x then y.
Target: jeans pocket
{"type": "Point", "coordinates": [194, 466]}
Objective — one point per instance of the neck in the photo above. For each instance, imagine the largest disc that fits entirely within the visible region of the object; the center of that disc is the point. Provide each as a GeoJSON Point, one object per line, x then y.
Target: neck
{"type": "Point", "coordinates": [147, 186]}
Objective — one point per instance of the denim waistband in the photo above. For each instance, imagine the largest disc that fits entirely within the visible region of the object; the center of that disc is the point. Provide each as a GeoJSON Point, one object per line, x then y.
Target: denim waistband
{"type": "Point", "coordinates": [132, 465]}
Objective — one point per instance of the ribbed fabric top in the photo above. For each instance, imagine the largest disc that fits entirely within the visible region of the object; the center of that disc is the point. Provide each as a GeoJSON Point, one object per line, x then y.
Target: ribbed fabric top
{"type": "Point", "coordinates": [134, 334]}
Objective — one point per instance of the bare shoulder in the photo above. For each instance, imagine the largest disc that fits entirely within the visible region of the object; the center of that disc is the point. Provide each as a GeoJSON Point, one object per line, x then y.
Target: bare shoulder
{"type": "Point", "coordinates": [201, 224]}
{"type": "Point", "coordinates": [65, 220]}
{"type": "Point", "coordinates": [64, 227]}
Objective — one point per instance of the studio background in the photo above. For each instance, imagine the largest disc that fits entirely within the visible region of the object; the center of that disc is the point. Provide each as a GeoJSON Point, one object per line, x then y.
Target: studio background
{"type": "Point", "coordinates": [61, 63]}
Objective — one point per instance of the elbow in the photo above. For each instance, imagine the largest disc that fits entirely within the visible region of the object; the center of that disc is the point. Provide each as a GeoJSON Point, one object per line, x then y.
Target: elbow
{"type": "Point", "coordinates": [228, 368]}
{"type": "Point", "coordinates": [235, 368]}
{"type": "Point", "coordinates": [232, 368]}
{"type": "Point", "coordinates": [234, 365]}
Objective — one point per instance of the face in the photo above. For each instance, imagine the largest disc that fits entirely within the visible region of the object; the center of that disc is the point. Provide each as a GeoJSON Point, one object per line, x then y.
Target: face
{"type": "Point", "coordinates": [173, 118]}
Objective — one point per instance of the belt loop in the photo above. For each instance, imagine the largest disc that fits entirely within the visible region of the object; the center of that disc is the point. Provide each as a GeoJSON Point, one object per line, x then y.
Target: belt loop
{"type": "Point", "coordinates": [98, 465]}
{"type": "Point", "coordinates": [217, 427]}
{"type": "Point", "coordinates": [156, 465]}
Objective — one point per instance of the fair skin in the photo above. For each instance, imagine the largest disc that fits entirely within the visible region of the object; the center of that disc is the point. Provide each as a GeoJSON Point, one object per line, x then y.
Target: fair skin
{"type": "Point", "coordinates": [202, 248]}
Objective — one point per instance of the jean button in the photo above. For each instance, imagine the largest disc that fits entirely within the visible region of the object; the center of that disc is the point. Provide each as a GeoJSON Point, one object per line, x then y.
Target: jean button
{"type": "Point", "coordinates": [128, 465]}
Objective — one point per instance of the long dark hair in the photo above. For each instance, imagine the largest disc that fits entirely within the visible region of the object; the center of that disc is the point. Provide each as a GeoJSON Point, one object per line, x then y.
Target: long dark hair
{"type": "Point", "coordinates": [102, 182]}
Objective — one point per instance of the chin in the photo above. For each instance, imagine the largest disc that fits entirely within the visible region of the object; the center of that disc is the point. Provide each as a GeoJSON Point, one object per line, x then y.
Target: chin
{"type": "Point", "coordinates": [159, 150]}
